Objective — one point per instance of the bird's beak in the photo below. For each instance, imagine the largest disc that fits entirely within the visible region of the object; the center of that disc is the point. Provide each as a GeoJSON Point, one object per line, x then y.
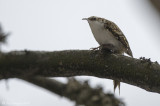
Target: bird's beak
{"type": "Point", "coordinates": [85, 19]}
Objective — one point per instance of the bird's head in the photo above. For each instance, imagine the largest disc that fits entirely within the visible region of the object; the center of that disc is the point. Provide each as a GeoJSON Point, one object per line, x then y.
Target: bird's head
{"type": "Point", "coordinates": [95, 19]}
{"type": "Point", "coordinates": [92, 18]}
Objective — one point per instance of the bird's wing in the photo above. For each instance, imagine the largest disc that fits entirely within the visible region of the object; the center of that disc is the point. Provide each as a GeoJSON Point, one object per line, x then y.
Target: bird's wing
{"type": "Point", "coordinates": [118, 34]}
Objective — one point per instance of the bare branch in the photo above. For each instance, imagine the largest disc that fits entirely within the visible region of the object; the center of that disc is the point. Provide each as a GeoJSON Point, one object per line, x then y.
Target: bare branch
{"type": "Point", "coordinates": [81, 93]}
{"type": "Point", "coordinates": [139, 72]}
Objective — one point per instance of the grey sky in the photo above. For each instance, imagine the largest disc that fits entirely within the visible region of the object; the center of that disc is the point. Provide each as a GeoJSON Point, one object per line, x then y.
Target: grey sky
{"type": "Point", "coordinates": [57, 25]}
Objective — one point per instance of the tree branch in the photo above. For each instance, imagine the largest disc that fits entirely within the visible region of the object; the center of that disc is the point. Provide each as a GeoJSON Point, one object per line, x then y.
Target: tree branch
{"type": "Point", "coordinates": [81, 93]}
{"type": "Point", "coordinates": [156, 4]}
{"type": "Point", "coordinates": [139, 72]}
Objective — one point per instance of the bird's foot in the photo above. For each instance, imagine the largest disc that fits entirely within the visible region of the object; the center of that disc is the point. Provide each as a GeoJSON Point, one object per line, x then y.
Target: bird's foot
{"type": "Point", "coordinates": [107, 48]}
{"type": "Point", "coordinates": [95, 49]}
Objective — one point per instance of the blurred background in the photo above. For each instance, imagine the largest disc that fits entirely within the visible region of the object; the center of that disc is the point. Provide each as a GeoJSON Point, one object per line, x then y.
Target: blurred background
{"type": "Point", "coordinates": [54, 25]}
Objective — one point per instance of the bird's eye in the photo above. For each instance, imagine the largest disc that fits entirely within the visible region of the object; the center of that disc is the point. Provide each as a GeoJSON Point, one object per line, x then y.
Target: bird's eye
{"type": "Point", "coordinates": [93, 19]}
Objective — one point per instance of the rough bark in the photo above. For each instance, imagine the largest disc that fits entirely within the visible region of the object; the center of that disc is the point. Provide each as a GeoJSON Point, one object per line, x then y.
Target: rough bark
{"type": "Point", "coordinates": [77, 91]}
{"type": "Point", "coordinates": [139, 72]}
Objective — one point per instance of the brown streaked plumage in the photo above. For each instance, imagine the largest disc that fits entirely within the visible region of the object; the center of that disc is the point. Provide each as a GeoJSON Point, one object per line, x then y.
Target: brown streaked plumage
{"type": "Point", "coordinates": [114, 29]}
{"type": "Point", "coordinates": [109, 36]}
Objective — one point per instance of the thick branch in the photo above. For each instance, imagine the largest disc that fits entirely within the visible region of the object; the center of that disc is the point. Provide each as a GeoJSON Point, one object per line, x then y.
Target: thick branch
{"type": "Point", "coordinates": [141, 73]}
{"type": "Point", "coordinates": [81, 93]}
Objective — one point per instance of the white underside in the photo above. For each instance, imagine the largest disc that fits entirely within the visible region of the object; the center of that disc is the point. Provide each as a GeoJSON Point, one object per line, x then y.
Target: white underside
{"type": "Point", "coordinates": [102, 35]}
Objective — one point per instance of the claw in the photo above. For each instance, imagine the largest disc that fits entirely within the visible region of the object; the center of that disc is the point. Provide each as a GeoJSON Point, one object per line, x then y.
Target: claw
{"type": "Point", "coordinates": [94, 49]}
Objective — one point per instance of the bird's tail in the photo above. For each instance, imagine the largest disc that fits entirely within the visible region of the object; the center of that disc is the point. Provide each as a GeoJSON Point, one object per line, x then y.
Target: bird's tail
{"type": "Point", "coordinates": [116, 83]}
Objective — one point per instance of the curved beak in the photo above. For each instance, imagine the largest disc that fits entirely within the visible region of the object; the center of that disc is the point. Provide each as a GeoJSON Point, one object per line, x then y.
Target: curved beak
{"type": "Point", "coordinates": [85, 19]}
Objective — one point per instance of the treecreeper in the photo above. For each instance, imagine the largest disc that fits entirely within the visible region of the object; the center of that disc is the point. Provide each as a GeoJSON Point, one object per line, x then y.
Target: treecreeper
{"type": "Point", "coordinates": [110, 38]}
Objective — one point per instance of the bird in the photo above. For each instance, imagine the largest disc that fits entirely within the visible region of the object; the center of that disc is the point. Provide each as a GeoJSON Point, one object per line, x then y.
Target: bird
{"type": "Point", "coordinates": [110, 37]}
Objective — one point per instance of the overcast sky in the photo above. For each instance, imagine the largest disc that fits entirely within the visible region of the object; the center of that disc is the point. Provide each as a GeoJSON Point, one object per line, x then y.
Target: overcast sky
{"type": "Point", "coordinates": [52, 25]}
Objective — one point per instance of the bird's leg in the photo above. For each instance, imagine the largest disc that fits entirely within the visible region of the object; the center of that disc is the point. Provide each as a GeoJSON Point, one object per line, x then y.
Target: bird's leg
{"type": "Point", "coordinates": [108, 48]}
{"type": "Point", "coordinates": [105, 47]}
